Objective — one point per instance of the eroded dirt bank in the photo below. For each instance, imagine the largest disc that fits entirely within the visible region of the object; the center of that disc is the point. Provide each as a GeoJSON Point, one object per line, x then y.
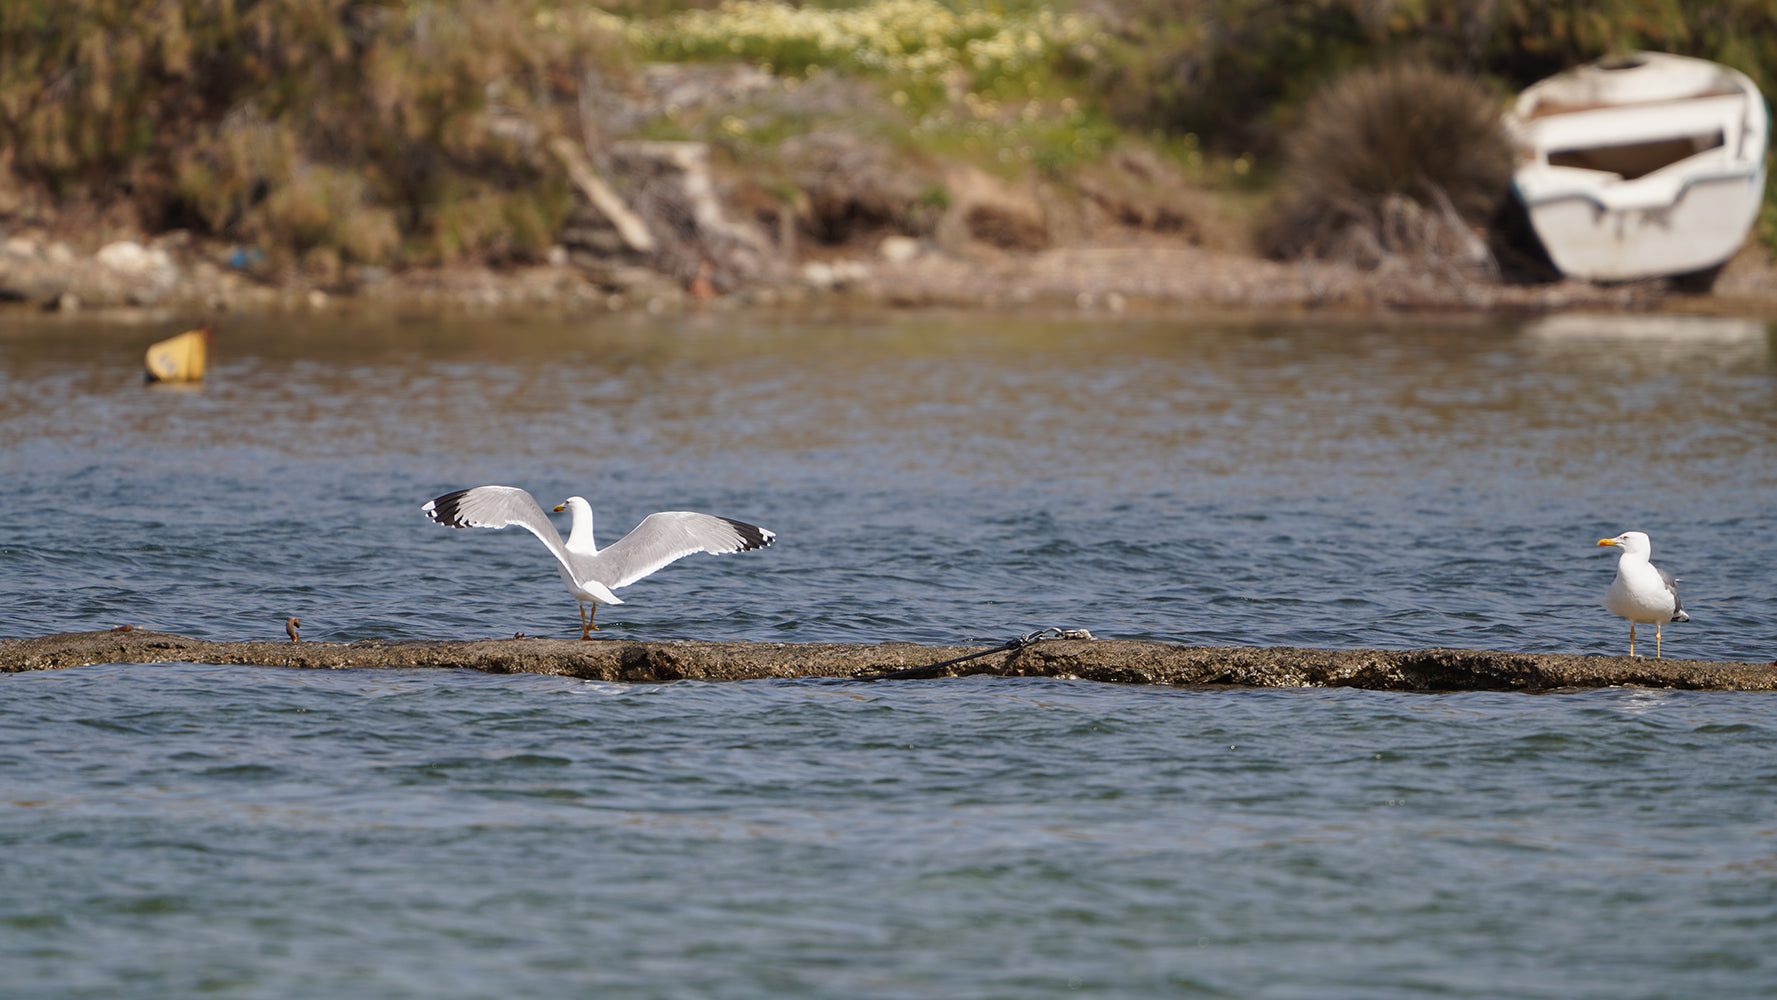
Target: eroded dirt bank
{"type": "Point", "coordinates": [1106, 660]}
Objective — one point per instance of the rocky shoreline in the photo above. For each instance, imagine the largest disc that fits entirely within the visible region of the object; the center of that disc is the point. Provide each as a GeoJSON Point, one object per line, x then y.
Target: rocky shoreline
{"type": "Point", "coordinates": [173, 275]}
{"type": "Point", "coordinates": [998, 244]}
{"type": "Point", "coordinates": [1115, 661]}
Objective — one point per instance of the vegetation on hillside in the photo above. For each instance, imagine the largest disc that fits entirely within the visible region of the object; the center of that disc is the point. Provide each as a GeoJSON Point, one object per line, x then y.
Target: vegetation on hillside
{"type": "Point", "coordinates": [333, 132]}
{"type": "Point", "coordinates": [321, 129]}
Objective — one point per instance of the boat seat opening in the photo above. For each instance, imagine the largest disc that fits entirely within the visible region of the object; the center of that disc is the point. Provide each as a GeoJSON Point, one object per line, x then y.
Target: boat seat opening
{"type": "Point", "coordinates": [1637, 159]}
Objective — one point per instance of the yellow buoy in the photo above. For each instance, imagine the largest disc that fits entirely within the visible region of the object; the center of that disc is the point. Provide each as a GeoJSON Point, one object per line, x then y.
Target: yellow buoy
{"type": "Point", "coordinates": [181, 358]}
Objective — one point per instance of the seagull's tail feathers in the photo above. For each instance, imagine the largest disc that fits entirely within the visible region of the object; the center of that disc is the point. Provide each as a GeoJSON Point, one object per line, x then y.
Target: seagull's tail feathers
{"type": "Point", "coordinates": [1680, 616]}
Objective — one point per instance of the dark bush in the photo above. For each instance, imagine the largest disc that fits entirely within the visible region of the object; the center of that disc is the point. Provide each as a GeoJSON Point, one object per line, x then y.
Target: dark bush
{"type": "Point", "coordinates": [1402, 160]}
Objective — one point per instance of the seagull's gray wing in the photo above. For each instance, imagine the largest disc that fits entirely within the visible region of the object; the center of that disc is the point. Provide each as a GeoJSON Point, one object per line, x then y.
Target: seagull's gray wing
{"type": "Point", "coordinates": [497, 507]}
{"type": "Point", "coordinates": [1671, 583]}
{"type": "Point", "coordinates": [670, 535]}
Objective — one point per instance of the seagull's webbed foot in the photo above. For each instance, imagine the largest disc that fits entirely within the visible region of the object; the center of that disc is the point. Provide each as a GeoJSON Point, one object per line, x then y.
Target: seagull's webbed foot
{"type": "Point", "coordinates": [586, 625]}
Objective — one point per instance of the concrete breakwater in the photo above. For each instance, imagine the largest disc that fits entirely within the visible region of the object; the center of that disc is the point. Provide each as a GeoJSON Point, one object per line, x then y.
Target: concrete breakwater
{"type": "Point", "coordinates": [1119, 661]}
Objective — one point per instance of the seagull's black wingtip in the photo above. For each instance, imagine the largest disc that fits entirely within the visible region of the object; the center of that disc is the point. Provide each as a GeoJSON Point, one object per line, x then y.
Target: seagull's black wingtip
{"type": "Point", "coordinates": [751, 535]}
{"type": "Point", "coordinates": [447, 509]}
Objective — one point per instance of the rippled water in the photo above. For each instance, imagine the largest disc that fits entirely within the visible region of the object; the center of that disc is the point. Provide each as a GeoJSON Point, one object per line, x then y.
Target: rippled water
{"type": "Point", "coordinates": [172, 831]}
{"type": "Point", "coordinates": [186, 830]}
{"type": "Point", "coordinates": [930, 477]}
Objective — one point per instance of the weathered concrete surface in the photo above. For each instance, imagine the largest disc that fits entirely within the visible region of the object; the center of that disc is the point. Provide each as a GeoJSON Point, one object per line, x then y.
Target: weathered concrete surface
{"type": "Point", "coordinates": [1109, 660]}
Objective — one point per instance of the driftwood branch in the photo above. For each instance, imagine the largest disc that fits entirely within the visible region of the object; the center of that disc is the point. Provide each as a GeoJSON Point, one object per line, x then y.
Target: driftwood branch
{"type": "Point", "coordinates": [628, 224]}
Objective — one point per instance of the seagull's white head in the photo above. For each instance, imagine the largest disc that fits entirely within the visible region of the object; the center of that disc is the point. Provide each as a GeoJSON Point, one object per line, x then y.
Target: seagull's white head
{"type": "Point", "coordinates": [1633, 543]}
{"type": "Point", "coordinates": [580, 532]}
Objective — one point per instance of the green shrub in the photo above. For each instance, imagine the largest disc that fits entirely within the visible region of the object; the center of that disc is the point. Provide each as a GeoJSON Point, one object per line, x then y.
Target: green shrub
{"type": "Point", "coordinates": [304, 124]}
{"type": "Point", "coordinates": [1224, 69]}
{"type": "Point", "coordinates": [911, 40]}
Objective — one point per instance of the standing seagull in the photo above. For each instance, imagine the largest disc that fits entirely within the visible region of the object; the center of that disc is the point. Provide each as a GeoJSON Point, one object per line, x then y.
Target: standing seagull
{"type": "Point", "coordinates": [592, 573]}
{"type": "Point", "coordinates": [1642, 592]}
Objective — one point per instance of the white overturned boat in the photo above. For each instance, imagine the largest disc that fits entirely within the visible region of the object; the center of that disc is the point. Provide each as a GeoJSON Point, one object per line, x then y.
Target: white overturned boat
{"type": "Point", "coordinates": [1641, 166]}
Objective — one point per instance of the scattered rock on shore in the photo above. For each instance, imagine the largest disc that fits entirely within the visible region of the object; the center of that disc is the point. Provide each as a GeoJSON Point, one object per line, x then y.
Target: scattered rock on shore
{"type": "Point", "coordinates": [994, 247]}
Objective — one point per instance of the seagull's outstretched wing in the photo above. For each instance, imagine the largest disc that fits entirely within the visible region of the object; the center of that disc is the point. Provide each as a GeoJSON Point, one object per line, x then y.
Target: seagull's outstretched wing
{"type": "Point", "coordinates": [670, 535]}
{"type": "Point", "coordinates": [497, 507]}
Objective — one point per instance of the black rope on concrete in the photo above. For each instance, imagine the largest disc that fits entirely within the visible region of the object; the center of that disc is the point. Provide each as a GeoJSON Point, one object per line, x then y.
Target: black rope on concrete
{"type": "Point", "coordinates": [1027, 639]}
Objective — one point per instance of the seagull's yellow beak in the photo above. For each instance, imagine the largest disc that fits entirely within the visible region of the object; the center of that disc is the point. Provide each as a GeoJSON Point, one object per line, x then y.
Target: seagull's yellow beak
{"type": "Point", "coordinates": [562, 506]}
{"type": "Point", "coordinates": [1601, 541]}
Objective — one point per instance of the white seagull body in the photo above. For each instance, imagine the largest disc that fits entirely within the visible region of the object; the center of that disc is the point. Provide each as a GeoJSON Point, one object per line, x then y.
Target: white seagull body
{"type": "Point", "coordinates": [1642, 592]}
{"type": "Point", "coordinates": [592, 573]}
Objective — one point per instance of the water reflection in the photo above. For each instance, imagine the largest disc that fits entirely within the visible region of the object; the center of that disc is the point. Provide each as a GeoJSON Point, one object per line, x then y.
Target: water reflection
{"type": "Point", "coordinates": [1678, 330]}
{"type": "Point", "coordinates": [1616, 344]}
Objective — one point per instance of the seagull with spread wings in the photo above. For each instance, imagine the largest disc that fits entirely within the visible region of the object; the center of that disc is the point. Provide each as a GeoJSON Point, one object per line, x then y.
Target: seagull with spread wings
{"type": "Point", "coordinates": [592, 573]}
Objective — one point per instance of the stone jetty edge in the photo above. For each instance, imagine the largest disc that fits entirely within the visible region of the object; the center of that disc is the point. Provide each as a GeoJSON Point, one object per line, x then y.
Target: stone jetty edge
{"type": "Point", "coordinates": [1117, 661]}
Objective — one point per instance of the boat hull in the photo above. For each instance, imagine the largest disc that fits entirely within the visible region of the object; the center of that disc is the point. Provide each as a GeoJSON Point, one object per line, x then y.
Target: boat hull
{"type": "Point", "coordinates": [1647, 166]}
{"type": "Point", "coordinates": [1701, 229]}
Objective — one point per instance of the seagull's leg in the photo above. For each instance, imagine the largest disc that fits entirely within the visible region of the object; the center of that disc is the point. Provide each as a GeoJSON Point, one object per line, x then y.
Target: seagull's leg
{"type": "Point", "coordinates": [1631, 640]}
{"type": "Point", "coordinates": [1657, 641]}
{"type": "Point", "coordinates": [586, 625]}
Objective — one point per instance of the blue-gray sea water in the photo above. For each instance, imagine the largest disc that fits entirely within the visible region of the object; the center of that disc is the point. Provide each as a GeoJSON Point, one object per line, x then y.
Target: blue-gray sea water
{"type": "Point", "coordinates": [175, 831]}
{"type": "Point", "coordinates": [180, 831]}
